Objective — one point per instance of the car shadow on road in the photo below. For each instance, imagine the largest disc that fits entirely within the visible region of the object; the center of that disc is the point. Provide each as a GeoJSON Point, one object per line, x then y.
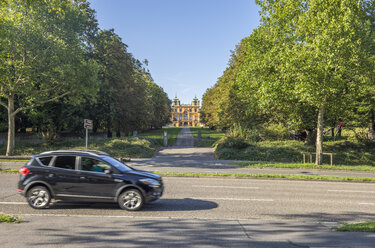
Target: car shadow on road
{"type": "Point", "coordinates": [162, 205]}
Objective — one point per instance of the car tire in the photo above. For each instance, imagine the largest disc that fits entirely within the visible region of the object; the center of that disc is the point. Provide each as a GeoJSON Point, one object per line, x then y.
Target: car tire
{"type": "Point", "coordinates": [131, 200]}
{"type": "Point", "coordinates": [38, 197]}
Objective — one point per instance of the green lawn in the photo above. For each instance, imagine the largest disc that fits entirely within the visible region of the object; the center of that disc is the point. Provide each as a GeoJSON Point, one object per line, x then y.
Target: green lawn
{"type": "Point", "coordinates": [209, 136]}
{"type": "Point", "coordinates": [159, 134]}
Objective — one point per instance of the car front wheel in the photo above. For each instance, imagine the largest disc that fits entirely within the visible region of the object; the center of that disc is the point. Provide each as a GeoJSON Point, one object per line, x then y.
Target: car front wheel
{"type": "Point", "coordinates": [38, 197]}
{"type": "Point", "coordinates": [131, 200]}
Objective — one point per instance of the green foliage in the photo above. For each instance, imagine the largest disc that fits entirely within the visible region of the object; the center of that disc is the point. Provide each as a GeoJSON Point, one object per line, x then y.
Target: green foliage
{"type": "Point", "coordinates": [250, 134]}
{"type": "Point", "coordinates": [57, 68]}
{"type": "Point", "coordinates": [9, 218]}
{"type": "Point", "coordinates": [231, 142]}
{"type": "Point", "coordinates": [309, 63]}
{"type": "Point", "coordinates": [274, 132]}
{"type": "Point", "coordinates": [43, 55]}
{"type": "Point", "coordinates": [130, 147]}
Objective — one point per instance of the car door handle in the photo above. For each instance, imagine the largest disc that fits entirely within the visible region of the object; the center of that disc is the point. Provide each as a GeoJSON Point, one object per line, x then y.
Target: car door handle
{"type": "Point", "coordinates": [82, 177]}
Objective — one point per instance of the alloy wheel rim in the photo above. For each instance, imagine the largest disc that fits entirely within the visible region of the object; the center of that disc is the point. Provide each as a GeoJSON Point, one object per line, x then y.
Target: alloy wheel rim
{"type": "Point", "coordinates": [39, 198]}
{"type": "Point", "coordinates": [132, 200]}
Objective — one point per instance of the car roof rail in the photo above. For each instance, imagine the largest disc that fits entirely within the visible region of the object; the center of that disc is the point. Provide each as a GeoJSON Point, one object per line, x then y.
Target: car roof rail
{"type": "Point", "coordinates": [91, 152]}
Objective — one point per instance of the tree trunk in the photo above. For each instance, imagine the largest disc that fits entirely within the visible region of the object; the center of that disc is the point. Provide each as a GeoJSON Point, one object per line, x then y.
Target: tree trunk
{"type": "Point", "coordinates": [371, 133]}
{"type": "Point", "coordinates": [109, 133]}
{"type": "Point", "coordinates": [319, 136]}
{"type": "Point", "coordinates": [11, 126]}
{"type": "Point", "coordinates": [310, 137]}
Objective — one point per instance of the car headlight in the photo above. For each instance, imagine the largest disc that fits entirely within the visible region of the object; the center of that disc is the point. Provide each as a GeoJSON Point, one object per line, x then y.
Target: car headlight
{"type": "Point", "coordinates": [150, 182]}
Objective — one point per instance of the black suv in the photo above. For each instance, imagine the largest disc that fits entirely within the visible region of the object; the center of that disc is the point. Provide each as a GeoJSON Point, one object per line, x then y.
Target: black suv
{"type": "Point", "coordinates": [86, 176]}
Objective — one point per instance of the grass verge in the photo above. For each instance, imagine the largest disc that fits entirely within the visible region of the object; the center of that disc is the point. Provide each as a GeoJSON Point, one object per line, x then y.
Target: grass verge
{"type": "Point", "coordinates": [271, 176]}
{"type": "Point", "coordinates": [306, 166]}
{"type": "Point", "coordinates": [357, 227]}
{"type": "Point", "coordinates": [10, 219]}
{"type": "Point", "coordinates": [209, 136]}
{"type": "Point", "coordinates": [9, 171]}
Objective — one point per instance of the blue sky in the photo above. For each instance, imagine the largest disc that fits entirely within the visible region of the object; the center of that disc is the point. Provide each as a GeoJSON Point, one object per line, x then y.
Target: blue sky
{"type": "Point", "coordinates": [187, 42]}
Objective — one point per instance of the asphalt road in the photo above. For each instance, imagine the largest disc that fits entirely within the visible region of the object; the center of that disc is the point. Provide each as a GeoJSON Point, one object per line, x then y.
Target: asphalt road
{"type": "Point", "coordinates": [204, 212]}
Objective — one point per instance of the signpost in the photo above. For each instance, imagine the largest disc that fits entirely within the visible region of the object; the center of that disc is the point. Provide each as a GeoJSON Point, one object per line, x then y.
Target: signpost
{"type": "Point", "coordinates": [87, 124]}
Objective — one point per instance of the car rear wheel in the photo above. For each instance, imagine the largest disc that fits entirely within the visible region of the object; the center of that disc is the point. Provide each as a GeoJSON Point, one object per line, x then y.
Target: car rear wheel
{"type": "Point", "coordinates": [131, 200]}
{"type": "Point", "coordinates": [38, 197]}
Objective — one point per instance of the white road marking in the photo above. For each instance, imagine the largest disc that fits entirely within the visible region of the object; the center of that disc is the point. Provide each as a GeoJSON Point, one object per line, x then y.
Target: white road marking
{"type": "Point", "coordinates": [232, 199]}
{"type": "Point", "coordinates": [366, 203]}
{"type": "Point", "coordinates": [13, 203]}
{"type": "Point", "coordinates": [353, 191]}
{"type": "Point", "coordinates": [224, 187]}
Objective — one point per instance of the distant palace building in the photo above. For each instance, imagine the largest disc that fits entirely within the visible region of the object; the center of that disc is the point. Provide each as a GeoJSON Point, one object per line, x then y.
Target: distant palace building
{"type": "Point", "coordinates": [185, 114]}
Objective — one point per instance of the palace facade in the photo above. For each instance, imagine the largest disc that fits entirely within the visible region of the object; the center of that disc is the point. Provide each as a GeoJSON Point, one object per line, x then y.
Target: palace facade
{"type": "Point", "coordinates": [185, 114]}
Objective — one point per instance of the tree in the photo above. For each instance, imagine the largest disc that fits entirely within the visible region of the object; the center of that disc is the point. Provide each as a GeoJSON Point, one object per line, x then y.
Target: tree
{"type": "Point", "coordinates": [313, 52]}
{"type": "Point", "coordinates": [128, 98]}
{"type": "Point", "coordinates": [42, 55]}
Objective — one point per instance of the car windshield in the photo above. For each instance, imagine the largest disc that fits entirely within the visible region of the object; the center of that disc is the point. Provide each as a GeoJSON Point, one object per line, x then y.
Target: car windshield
{"type": "Point", "coordinates": [117, 164]}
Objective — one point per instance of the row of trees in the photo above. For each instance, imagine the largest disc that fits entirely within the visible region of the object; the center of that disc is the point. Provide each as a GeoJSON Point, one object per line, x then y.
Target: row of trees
{"type": "Point", "coordinates": [57, 68]}
{"type": "Point", "coordinates": [309, 63]}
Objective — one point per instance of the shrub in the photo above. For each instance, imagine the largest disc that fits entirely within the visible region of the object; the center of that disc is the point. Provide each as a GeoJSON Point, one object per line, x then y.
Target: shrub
{"type": "Point", "coordinates": [274, 132]}
{"type": "Point", "coordinates": [231, 142]}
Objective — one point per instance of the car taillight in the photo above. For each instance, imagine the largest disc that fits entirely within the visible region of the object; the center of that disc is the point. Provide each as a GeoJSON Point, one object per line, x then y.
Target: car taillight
{"type": "Point", "coordinates": [24, 171]}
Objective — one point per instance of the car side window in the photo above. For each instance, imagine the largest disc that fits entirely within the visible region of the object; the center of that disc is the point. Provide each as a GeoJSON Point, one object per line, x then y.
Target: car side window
{"type": "Point", "coordinates": [41, 161]}
{"type": "Point", "coordinates": [91, 164]}
{"type": "Point", "coordinates": [45, 160]}
{"type": "Point", "coordinates": [65, 162]}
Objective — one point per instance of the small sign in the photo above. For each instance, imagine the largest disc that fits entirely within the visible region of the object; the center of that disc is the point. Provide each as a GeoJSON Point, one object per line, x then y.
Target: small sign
{"type": "Point", "coordinates": [87, 124]}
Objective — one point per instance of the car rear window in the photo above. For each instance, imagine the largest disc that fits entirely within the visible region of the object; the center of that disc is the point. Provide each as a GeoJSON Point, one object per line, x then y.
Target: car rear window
{"type": "Point", "coordinates": [65, 162]}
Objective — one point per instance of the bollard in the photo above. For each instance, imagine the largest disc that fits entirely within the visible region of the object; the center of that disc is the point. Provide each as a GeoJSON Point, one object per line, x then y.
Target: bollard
{"type": "Point", "coordinates": [165, 138]}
